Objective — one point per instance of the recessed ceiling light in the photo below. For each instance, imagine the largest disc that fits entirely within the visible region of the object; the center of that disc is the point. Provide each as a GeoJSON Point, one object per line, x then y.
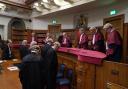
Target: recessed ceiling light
{"type": "Point", "coordinates": [45, 1]}
{"type": "Point", "coordinates": [36, 4]}
{"type": "Point", "coordinates": [61, 2]}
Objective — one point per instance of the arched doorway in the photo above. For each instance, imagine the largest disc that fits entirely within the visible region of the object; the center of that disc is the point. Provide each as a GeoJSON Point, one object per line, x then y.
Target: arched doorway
{"type": "Point", "coordinates": [15, 23]}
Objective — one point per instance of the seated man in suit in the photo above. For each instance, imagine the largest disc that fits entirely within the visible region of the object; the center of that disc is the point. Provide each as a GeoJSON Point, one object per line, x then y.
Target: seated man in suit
{"type": "Point", "coordinates": [7, 50]}
{"type": "Point", "coordinates": [113, 43]}
{"type": "Point", "coordinates": [83, 40]}
{"type": "Point", "coordinates": [98, 40]}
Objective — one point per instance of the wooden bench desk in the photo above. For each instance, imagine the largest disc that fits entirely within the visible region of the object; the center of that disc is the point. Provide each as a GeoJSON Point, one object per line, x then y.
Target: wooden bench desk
{"type": "Point", "coordinates": [9, 79]}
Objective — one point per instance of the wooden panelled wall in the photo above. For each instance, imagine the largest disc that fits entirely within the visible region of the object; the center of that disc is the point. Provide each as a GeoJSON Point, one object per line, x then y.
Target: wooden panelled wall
{"type": "Point", "coordinates": [125, 43]}
{"type": "Point", "coordinates": [90, 76]}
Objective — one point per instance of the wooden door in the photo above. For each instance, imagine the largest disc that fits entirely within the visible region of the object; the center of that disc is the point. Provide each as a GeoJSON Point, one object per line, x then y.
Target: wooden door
{"type": "Point", "coordinates": [54, 30]}
{"type": "Point", "coordinates": [125, 42]}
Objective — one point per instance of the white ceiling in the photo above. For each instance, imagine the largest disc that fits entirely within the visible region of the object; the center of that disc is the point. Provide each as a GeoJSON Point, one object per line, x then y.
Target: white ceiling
{"type": "Point", "coordinates": [80, 8]}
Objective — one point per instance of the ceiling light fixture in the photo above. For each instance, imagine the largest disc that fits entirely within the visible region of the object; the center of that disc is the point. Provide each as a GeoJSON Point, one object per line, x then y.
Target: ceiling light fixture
{"type": "Point", "coordinates": [36, 4]}
{"type": "Point", "coordinates": [2, 7]}
{"type": "Point", "coordinates": [40, 6]}
{"type": "Point", "coordinates": [70, 1]}
{"type": "Point", "coordinates": [46, 1]}
{"type": "Point", "coordinates": [52, 2]}
{"type": "Point", "coordinates": [60, 2]}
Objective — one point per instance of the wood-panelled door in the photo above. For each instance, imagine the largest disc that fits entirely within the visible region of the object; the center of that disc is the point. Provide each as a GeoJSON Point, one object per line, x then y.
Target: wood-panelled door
{"type": "Point", "coordinates": [54, 30]}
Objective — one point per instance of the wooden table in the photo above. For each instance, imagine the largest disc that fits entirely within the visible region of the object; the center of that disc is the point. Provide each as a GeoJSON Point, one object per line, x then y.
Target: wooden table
{"type": "Point", "coordinates": [9, 79]}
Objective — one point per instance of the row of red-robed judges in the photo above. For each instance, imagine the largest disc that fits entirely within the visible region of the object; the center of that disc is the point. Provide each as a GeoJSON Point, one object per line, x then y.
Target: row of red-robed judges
{"type": "Point", "coordinates": [112, 46]}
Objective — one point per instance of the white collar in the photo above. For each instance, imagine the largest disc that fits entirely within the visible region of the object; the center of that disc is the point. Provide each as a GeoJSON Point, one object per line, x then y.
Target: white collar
{"type": "Point", "coordinates": [112, 30]}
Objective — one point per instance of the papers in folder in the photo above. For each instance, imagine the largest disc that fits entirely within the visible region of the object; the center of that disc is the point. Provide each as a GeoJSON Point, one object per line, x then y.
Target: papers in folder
{"type": "Point", "coordinates": [13, 68]}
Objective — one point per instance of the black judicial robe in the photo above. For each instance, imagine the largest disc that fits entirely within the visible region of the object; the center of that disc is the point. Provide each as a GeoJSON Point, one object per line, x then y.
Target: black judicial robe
{"type": "Point", "coordinates": [30, 72]}
{"type": "Point", "coordinates": [45, 49]}
{"type": "Point", "coordinates": [23, 51]}
{"type": "Point", "coordinates": [51, 64]}
{"type": "Point", "coordinates": [60, 39]}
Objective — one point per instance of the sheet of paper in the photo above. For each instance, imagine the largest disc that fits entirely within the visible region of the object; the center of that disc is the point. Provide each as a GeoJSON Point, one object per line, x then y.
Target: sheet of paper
{"type": "Point", "coordinates": [1, 61]}
{"type": "Point", "coordinates": [13, 68]}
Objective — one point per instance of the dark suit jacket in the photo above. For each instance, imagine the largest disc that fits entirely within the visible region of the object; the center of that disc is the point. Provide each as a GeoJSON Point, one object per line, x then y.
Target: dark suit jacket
{"type": "Point", "coordinates": [68, 42]}
{"type": "Point", "coordinates": [6, 54]}
{"type": "Point", "coordinates": [23, 51]}
{"type": "Point", "coordinates": [60, 39]}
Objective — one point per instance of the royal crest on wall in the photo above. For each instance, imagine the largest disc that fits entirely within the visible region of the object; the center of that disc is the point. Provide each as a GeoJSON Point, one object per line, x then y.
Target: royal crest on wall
{"type": "Point", "coordinates": [80, 21]}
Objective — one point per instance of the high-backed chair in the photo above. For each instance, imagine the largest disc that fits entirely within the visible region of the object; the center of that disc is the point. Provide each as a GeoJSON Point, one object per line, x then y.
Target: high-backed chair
{"type": "Point", "coordinates": [66, 81]}
{"type": "Point", "coordinates": [61, 70]}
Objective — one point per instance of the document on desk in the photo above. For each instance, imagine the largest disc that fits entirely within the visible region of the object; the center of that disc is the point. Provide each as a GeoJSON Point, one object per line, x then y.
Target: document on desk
{"type": "Point", "coordinates": [13, 68]}
{"type": "Point", "coordinates": [1, 61]}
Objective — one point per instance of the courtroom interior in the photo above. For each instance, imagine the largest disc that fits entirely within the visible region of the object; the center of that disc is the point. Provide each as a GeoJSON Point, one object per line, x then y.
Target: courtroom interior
{"type": "Point", "coordinates": [63, 44]}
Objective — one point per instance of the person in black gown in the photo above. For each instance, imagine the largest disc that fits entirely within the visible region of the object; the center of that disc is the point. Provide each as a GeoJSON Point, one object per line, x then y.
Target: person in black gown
{"type": "Point", "coordinates": [23, 49]}
{"type": "Point", "coordinates": [51, 64]}
{"type": "Point", "coordinates": [46, 46]}
{"type": "Point", "coordinates": [30, 73]}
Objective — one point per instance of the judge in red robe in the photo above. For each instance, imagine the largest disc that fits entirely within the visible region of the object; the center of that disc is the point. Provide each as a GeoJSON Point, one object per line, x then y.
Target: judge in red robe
{"type": "Point", "coordinates": [66, 42]}
{"type": "Point", "coordinates": [83, 39]}
{"type": "Point", "coordinates": [98, 40]}
{"type": "Point", "coordinates": [113, 43]}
